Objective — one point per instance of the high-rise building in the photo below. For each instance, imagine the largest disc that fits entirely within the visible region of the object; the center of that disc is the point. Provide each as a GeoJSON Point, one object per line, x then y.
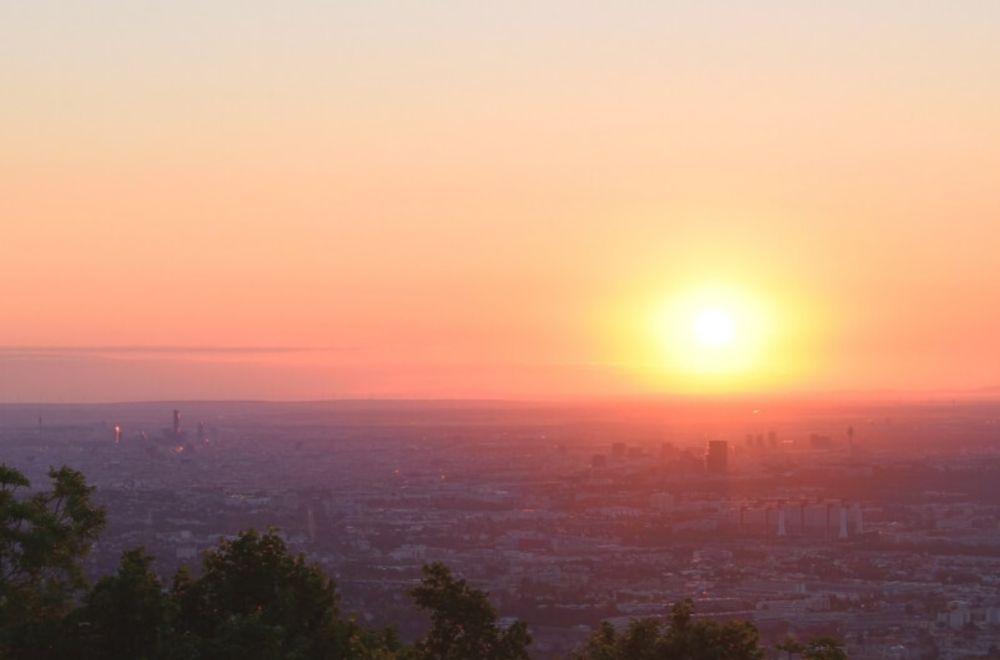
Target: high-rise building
{"type": "Point", "coordinates": [819, 442]}
{"type": "Point", "coordinates": [668, 452]}
{"type": "Point", "coordinates": [717, 457]}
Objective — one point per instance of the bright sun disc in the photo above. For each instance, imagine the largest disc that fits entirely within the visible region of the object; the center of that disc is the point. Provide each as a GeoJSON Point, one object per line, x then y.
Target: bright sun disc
{"type": "Point", "coordinates": [714, 327]}
{"type": "Point", "coordinates": [712, 334]}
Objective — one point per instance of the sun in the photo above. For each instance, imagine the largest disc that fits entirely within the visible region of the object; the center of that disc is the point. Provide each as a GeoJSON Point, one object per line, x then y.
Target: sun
{"type": "Point", "coordinates": [713, 327]}
{"type": "Point", "coordinates": [712, 334]}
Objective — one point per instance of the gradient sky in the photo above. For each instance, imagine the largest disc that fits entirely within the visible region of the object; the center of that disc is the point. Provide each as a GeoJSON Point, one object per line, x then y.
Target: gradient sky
{"type": "Point", "coordinates": [321, 199]}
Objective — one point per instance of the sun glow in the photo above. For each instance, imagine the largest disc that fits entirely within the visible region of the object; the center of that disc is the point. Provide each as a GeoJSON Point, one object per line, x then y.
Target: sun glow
{"type": "Point", "coordinates": [713, 336]}
{"type": "Point", "coordinates": [713, 327]}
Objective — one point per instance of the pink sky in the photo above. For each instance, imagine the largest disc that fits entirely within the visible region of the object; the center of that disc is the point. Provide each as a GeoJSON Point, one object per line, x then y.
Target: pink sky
{"type": "Point", "coordinates": [444, 200]}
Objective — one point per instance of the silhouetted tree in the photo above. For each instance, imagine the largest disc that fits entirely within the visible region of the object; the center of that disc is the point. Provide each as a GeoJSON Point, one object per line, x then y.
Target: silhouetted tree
{"type": "Point", "coordinates": [817, 648]}
{"type": "Point", "coordinates": [44, 539]}
{"type": "Point", "coordinates": [255, 600]}
{"type": "Point", "coordinates": [681, 638]}
{"type": "Point", "coordinates": [824, 648]}
{"type": "Point", "coordinates": [789, 647]}
{"type": "Point", "coordinates": [463, 622]}
{"type": "Point", "coordinates": [124, 616]}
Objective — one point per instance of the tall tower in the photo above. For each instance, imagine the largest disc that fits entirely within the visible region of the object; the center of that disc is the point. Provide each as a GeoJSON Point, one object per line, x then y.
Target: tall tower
{"type": "Point", "coordinates": [717, 457]}
{"type": "Point", "coordinates": [118, 434]}
{"type": "Point", "coordinates": [177, 422]}
{"type": "Point", "coordinates": [781, 520]}
{"type": "Point", "coordinates": [843, 520]}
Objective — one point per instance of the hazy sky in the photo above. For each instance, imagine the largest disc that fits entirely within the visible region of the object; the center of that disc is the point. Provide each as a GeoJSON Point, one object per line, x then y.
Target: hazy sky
{"type": "Point", "coordinates": [319, 199]}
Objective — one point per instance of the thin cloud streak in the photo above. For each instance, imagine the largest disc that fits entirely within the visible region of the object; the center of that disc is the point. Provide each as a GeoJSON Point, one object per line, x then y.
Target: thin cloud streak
{"type": "Point", "coordinates": [66, 351]}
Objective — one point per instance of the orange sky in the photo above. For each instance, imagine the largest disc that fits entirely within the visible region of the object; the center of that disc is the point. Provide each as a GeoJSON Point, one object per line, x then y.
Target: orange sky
{"type": "Point", "coordinates": [435, 199]}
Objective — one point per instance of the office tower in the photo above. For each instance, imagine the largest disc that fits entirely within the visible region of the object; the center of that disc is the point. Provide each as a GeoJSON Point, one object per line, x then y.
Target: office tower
{"type": "Point", "coordinates": [717, 457]}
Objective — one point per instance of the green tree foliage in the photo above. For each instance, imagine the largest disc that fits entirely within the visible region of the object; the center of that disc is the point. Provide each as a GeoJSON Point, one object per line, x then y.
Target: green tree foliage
{"type": "Point", "coordinates": [463, 622]}
{"type": "Point", "coordinates": [817, 648]}
{"type": "Point", "coordinates": [255, 600]}
{"type": "Point", "coordinates": [44, 538]}
{"type": "Point", "coordinates": [682, 637]}
{"type": "Point", "coordinates": [789, 647]}
{"type": "Point", "coordinates": [824, 648]}
{"type": "Point", "coordinates": [124, 616]}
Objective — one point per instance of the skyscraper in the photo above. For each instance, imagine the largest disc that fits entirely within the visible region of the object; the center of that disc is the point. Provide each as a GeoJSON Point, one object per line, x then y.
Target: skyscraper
{"type": "Point", "coordinates": [717, 457]}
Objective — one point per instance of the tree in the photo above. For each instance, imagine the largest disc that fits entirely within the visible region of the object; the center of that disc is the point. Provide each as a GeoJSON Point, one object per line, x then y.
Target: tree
{"type": "Point", "coordinates": [790, 647]}
{"type": "Point", "coordinates": [463, 622]}
{"type": "Point", "coordinates": [601, 645]}
{"type": "Point", "coordinates": [255, 600]}
{"type": "Point", "coordinates": [124, 616]}
{"type": "Point", "coordinates": [44, 539]}
{"type": "Point", "coordinates": [818, 648]}
{"type": "Point", "coordinates": [824, 648]}
{"type": "Point", "coordinates": [682, 638]}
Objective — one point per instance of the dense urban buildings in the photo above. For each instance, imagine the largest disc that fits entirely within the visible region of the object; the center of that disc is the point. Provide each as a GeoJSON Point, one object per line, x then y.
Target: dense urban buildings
{"type": "Point", "coordinates": [877, 524]}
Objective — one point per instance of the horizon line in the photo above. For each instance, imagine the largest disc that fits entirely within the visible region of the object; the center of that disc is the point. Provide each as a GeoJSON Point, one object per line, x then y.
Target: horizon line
{"type": "Point", "coordinates": [881, 395]}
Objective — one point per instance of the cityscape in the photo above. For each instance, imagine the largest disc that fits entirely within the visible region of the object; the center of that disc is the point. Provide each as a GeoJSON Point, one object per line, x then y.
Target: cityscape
{"type": "Point", "coordinates": [456, 330]}
{"type": "Point", "coordinates": [876, 524]}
